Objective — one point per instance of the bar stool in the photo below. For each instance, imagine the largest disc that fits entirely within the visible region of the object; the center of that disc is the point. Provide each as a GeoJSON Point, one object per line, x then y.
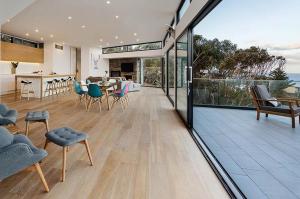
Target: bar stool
{"type": "Point", "coordinates": [50, 88]}
{"type": "Point", "coordinates": [70, 84]}
{"type": "Point", "coordinates": [57, 86]}
{"type": "Point", "coordinates": [26, 89]}
{"type": "Point", "coordinates": [63, 85]}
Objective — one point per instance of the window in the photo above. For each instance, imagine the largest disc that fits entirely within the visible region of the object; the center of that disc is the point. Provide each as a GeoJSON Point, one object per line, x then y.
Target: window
{"type": "Point", "coordinates": [134, 47]}
{"type": "Point", "coordinates": [237, 45]}
{"type": "Point", "coordinates": [114, 50]}
{"type": "Point", "coordinates": [183, 9]}
{"type": "Point", "coordinates": [151, 68]}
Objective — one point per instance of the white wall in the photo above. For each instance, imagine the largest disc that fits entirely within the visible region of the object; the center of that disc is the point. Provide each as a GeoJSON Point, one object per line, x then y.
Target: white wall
{"type": "Point", "coordinates": [93, 62]}
{"type": "Point", "coordinates": [59, 61]}
{"type": "Point", "coordinates": [23, 68]}
{"type": "Point", "coordinates": [195, 7]}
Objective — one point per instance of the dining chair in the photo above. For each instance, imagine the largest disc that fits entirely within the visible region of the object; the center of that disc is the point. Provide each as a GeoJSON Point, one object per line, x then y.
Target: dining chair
{"type": "Point", "coordinates": [95, 94]}
{"type": "Point", "coordinates": [80, 92]}
{"type": "Point", "coordinates": [88, 81]}
{"type": "Point", "coordinates": [120, 96]}
{"type": "Point", "coordinates": [114, 87]}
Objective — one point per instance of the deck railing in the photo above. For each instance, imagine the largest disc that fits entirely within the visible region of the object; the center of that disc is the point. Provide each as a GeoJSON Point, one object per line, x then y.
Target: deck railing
{"type": "Point", "coordinates": [236, 92]}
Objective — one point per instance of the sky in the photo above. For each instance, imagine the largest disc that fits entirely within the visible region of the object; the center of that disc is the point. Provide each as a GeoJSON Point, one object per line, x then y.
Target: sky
{"type": "Point", "coordinates": [271, 24]}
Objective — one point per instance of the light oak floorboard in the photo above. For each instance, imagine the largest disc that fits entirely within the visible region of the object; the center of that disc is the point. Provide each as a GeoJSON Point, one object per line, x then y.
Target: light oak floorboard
{"type": "Point", "coordinates": [144, 152]}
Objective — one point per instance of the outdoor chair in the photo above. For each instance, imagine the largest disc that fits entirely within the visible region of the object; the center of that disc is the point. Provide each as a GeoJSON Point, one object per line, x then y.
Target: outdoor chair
{"type": "Point", "coordinates": [267, 104]}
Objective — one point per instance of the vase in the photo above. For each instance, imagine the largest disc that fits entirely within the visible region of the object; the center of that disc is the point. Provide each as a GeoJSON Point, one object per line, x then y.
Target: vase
{"type": "Point", "coordinates": [13, 70]}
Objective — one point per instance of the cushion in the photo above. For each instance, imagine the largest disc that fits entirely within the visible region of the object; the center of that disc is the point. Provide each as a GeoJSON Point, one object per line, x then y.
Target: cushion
{"type": "Point", "coordinates": [37, 116]}
{"type": "Point", "coordinates": [273, 103]}
{"type": "Point", "coordinates": [5, 137]}
{"type": "Point", "coordinates": [281, 109]}
{"type": "Point", "coordinates": [65, 136]}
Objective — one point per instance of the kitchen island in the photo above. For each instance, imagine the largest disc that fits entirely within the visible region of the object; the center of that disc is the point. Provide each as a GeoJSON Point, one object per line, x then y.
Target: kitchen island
{"type": "Point", "coordinates": [39, 82]}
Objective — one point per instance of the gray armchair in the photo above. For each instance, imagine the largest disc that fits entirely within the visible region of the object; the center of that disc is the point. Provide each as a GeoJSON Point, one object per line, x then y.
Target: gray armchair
{"type": "Point", "coordinates": [7, 116]}
{"type": "Point", "coordinates": [17, 153]}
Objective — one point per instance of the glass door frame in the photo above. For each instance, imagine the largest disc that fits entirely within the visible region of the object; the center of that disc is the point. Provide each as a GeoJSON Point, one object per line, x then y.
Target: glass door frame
{"type": "Point", "coordinates": [189, 94]}
{"type": "Point", "coordinates": [173, 102]}
{"type": "Point", "coordinates": [229, 185]}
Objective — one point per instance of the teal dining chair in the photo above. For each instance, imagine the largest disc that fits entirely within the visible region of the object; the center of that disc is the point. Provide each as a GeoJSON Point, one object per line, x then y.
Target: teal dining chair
{"type": "Point", "coordinates": [81, 93]}
{"type": "Point", "coordinates": [95, 94]}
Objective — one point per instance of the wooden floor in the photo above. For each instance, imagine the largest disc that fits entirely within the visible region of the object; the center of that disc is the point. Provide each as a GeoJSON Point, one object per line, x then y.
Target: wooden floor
{"type": "Point", "coordinates": [144, 152]}
{"type": "Point", "coordinates": [262, 157]}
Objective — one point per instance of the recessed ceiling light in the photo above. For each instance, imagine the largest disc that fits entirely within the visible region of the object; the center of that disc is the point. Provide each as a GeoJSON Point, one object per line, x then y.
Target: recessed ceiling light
{"type": "Point", "coordinates": [69, 17]}
{"type": "Point", "coordinates": [117, 17]}
{"type": "Point", "coordinates": [116, 37]}
{"type": "Point", "coordinates": [135, 34]}
{"type": "Point", "coordinates": [8, 20]}
{"type": "Point", "coordinates": [42, 38]}
{"type": "Point", "coordinates": [36, 30]}
{"type": "Point", "coordinates": [137, 40]}
{"type": "Point", "coordinates": [121, 42]}
{"type": "Point", "coordinates": [51, 36]}
{"type": "Point", "coordinates": [107, 2]}
{"type": "Point", "coordinates": [63, 43]}
{"type": "Point", "coordinates": [27, 34]}
{"type": "Point", "coordinates": [100, 40]}
{"type": "Point", "coordinates": [83, 26]}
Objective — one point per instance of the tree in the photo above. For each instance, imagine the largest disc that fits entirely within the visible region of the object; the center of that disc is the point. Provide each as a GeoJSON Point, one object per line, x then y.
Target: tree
{"type": "Point", "coordinates": [208, 54]}
{"type": "Point", "coordinates": [250, 63]}
{"type": "Point", "coordinates": [278, 74]}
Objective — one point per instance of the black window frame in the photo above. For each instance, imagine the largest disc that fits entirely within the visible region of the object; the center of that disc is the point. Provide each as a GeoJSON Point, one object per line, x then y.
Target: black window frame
{"type": "Point", "coordinates": [126, 47]}
{"type": "Point", "coordinates": [179, 8]}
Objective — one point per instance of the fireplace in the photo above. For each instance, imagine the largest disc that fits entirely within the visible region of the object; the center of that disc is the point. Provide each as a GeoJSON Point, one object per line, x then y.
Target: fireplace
{"type": "Point", "coordinates": [115, 73]}
{"type": "Point", "coordinates": [128, 77]}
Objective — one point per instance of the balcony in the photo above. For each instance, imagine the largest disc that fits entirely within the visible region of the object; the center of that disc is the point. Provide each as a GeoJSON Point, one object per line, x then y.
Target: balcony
{"type": "Point", "coordinates": [262, 157]}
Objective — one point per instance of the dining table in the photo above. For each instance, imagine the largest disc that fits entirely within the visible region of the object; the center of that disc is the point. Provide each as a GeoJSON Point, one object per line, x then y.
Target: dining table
{"type": "Point", "coordinates": [105, 87]}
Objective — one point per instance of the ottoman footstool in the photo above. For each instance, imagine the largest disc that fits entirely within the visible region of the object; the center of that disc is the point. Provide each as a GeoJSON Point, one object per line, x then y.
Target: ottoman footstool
{"type": "Point", "coordinates": [66, 137]}
{"type": "Point", "coordinates": [34, 117]}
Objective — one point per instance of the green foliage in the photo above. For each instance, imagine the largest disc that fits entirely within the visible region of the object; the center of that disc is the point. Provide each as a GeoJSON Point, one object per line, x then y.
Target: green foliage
{"type": "Point", "coordinates": [222, 59]}
{"type": "Point", "coordinates": [152, 72]}
{"type": "Point", "coordinates": [223, 73]}
{"type": "Point", "coordinates": [278, 74]}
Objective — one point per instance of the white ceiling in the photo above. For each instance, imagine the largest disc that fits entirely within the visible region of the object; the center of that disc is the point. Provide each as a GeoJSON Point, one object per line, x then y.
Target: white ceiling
{"type": "Point", "coordinates": [147, 18]}
{"type": "Point", "coordinates": [9, 8]}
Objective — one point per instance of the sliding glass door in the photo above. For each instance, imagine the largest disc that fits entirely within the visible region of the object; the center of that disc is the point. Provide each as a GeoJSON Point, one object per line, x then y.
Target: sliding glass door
{"type": "Point", "coordinates": [171, 74]}
{"type": "Point", "coordinates": [182, 81]}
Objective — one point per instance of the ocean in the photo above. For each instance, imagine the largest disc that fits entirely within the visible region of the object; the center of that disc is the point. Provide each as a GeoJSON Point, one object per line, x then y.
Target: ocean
{"type": "Point", "coordinates": [294, 76]}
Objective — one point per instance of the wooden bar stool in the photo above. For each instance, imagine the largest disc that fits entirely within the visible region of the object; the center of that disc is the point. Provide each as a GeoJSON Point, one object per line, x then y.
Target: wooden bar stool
{"type": "Point", "coordinates": [34, 117]}
{"type": "Point", "coordinates": [65, 137]}
{"type": "Point", "coordinates": [57, 86]}
{"type": "Point", "coordinates": [50, 88]}
{"type": "Point", "coordinates": [26, 89]}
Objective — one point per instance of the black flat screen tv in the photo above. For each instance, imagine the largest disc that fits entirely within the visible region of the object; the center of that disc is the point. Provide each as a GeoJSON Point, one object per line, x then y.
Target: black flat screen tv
{"type": "Point", "coordinates": [127, 67]}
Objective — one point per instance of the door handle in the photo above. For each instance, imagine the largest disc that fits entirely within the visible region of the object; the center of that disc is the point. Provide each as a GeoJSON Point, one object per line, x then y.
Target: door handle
{"type": "Point", "coordinates": [190, 76]}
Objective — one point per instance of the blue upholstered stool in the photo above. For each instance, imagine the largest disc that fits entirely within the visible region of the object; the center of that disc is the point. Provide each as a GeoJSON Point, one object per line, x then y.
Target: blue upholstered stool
{"type": "Point", "coordinates": [66, 137]}
{"type": "Point", "coordinates": [38, 116]}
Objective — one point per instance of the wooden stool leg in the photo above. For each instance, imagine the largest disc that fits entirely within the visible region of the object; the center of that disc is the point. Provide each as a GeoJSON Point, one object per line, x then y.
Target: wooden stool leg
{"type": "Point", "coordinates": [64, 164]}
{"type": "Point", "coordinates": [46, 143]}
{"type": "Point", "coordinates": [88, 151]}
{"type": "Point", "coordinates": [40, 172]}
{"type": "Point", "coordinates": [27, 128]}
{"type": "Point", "coordinates": [47, 125]}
